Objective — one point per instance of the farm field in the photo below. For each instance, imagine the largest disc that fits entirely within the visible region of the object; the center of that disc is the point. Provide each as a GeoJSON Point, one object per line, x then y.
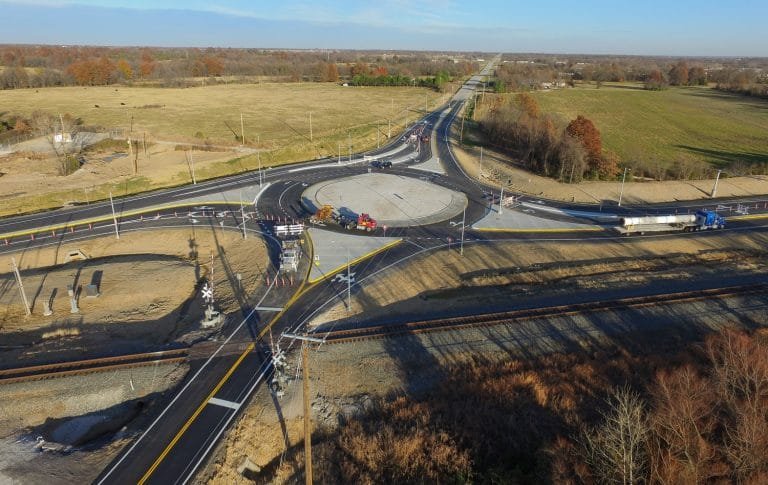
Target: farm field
{"type": "Point", "coordinates": [275, 121]}
{"type": "Point", "coordinates": [673, 125]}
{"type": "Point", "coordinates": [272, 112]}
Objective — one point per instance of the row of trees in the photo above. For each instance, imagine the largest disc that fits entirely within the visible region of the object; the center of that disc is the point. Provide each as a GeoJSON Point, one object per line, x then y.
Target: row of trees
{"type": "Point", "coordinates": [437, 82]}
{"type": "Point", "coordinates": [568, 153]}
{"type": "Point", "coordinates": [529, 72]}
{"type": "Point", "coordinates": [30, 66]}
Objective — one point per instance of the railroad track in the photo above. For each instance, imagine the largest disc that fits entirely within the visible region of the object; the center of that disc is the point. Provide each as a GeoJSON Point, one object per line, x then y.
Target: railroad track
{"type": "Point", "coordinates": [501, 318]}
{"type": "Point", "coordinates": [80, 367]}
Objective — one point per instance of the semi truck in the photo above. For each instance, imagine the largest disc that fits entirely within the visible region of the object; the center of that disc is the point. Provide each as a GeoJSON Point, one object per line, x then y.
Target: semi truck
{"type": "Point", "coordinates": [701, 220]}
{"type": "Point", "coordinates": [327, 213]}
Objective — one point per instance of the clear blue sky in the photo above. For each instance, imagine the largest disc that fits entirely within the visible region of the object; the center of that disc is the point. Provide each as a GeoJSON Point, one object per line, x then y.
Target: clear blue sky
{"type": "Point", "coordinates": [671, 27]}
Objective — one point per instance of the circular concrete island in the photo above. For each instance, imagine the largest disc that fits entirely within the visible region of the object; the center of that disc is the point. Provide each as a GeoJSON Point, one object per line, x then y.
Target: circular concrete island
{"type": "Point", "coordinates": [393, 200]}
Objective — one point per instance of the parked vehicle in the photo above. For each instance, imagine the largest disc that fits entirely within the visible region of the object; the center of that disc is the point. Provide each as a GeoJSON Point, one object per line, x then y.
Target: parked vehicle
{"type": "Point", "coordinates": [381, 164]}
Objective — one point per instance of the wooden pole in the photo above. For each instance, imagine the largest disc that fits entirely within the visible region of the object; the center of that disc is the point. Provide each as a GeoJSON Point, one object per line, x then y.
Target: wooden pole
{"type": "Point", "coordinates": [21, 286]}
{"type": "Point", "coordinates": [307, 415]}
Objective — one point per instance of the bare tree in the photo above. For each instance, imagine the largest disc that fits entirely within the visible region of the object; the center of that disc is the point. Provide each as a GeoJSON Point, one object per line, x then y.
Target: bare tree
{"type": "Point", "coordinates": [740, 374]}
{"type": "Point", "coordinates": [681, 423]}
{"type": "Point", "coordinates": [616, 450]}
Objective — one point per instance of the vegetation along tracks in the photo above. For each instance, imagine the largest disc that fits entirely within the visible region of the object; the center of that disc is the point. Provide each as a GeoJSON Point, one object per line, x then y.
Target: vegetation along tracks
{"type": "Point", "coordinates": [501, 318]}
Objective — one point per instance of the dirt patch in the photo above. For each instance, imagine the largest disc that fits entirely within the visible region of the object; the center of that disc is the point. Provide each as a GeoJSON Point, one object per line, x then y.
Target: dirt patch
{"type": "Point", "coordinates": [148, 284]}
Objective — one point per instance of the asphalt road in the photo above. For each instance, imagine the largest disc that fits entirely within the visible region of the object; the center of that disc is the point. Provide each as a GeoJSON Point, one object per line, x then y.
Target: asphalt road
{"type": "Point", "coordinates": [177, 442]}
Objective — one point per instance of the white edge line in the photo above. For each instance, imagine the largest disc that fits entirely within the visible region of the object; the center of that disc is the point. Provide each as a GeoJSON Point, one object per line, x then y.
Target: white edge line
{"type": "Point", "coordinates": [225, 427]}
{"type": "Point", "coordinates": [178, 394]}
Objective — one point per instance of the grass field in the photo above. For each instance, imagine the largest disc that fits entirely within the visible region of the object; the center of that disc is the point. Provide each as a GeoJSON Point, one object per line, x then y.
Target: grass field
{"type": "Point", "coordinates": [275, 118]}
{"type": "Point", "coordinates": [274, 115]}
{"type": "Point", "coordinates": [677, 124]}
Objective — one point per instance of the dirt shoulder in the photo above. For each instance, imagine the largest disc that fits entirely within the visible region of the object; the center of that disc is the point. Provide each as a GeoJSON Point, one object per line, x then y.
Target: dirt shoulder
{"type": "Point", "coordinates": [498, 168]}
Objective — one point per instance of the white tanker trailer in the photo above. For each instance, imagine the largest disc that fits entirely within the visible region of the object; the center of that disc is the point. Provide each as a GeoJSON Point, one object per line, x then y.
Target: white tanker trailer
{"type": "Point", "coordinates": [702, 219]}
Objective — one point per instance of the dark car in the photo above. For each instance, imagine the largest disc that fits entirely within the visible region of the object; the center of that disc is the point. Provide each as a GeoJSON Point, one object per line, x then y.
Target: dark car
{"type": "Point", "coordinates": [380, 164]}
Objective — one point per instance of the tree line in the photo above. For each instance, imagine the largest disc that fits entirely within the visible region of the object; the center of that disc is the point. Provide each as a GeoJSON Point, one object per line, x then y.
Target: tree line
{"type": "Point", "coordinates": [569, 154]}
{"type": "Point", "coordinates": [43, 66]}
{"type": "Point", "coordinates": [526, 72]}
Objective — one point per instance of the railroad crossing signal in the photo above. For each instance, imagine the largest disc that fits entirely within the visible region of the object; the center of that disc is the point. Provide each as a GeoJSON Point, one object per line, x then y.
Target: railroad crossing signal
{"type": "Point", "coordinates": [207, 293]}
{"type": "Point", "coordinates": [340, 278]}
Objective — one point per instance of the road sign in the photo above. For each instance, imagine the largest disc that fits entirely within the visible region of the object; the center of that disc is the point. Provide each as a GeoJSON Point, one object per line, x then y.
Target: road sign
{"type": "Point", "coordinates": [343, 278]}
{"type": "Point", "coordinates": [207, 292]}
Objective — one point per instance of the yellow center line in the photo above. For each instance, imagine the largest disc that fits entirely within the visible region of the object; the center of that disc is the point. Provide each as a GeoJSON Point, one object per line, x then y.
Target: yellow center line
{"type": "Point", "coordinates": [199, 409]}
{"type": "Point", "coordinates": [301, 290]}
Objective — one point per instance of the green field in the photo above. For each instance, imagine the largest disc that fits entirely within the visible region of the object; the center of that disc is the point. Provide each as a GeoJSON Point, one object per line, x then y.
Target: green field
{"type": "Point", "coordinates": [665, 127]}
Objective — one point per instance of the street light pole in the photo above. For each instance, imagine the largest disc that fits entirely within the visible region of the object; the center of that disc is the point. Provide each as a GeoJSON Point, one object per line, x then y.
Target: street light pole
{"type": "Point", "coordinates": [714, 188]}
{"type": "Point", "coordinates": [463, 224]}
{"type": "Point", "coordinates": [114, 217]}
{"type": "Point", "coordinates": [349, 285]}
{"type": "Point", "coordinates": [258, 157]}
{"type": "Point", "coordinates": [623, 179]}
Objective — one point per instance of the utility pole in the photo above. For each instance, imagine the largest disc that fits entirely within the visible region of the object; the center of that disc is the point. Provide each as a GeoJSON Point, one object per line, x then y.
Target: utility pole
{"type": "Point", "coordinates": [311, 139]}
{"type": "Point", "coordinates": [191, 163]}
{"type": "Point", "coordinates": [339, 153]}
{"type": "Point", "coordinates": [349, 285]}
{"type": "Point", "coordinates": [624, 178]}
{"type": "Point", "coordinates": [114, 217]}
{"type": "Point", "coordinates": [463, 117]}
{"type": "Point", "coordinates": [21, 286]}
{"type": "Point", "coordinates": [242, 215]}
{"type": "Point", "coordinates": [714, 188]}
{"type": "Point", "coordinates": [307, 416]}
{"type": "Point", "coordinates": [378, 136]}
{"type": "Point", "coordinates": [481, 158]}
{"type": "Point", "coordinates": [501, 200]}
{"type": "Point", "coordinates": [425, 103]}
{"type": "Point", "coordinates": [258, 157]}
{"type": "Point", "coordinates": [242, 130]}
{"type": "Point", "coordinates": [305, 340]}
{"type": "Point", "coordinates": [390, 128]}
{"type": "Point", "coordinates": [463, 224]}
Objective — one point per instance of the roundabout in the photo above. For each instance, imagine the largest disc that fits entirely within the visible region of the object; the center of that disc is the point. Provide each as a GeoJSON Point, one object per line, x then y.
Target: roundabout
{"type": "Point", "coordinates": [393, 200]}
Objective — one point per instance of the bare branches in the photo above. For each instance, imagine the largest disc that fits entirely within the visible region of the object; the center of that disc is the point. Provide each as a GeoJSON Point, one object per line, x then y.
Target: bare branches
{"type": "Point", "coordinates": [616, 450]}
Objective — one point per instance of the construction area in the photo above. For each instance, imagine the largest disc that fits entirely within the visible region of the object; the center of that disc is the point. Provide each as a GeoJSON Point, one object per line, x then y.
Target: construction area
{"type": "Point", "coordinates": [141, 293]}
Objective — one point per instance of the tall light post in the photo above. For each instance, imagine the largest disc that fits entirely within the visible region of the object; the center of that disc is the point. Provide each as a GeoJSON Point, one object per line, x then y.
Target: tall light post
{"type": "Point", "coordinates": [714, 187]}
{"type": "Point", "coordinates": [623, 179]}
{"type": "Point", "coordinates": [463, 225]}
{"type": "Point", "coordinates": [114, 217]}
